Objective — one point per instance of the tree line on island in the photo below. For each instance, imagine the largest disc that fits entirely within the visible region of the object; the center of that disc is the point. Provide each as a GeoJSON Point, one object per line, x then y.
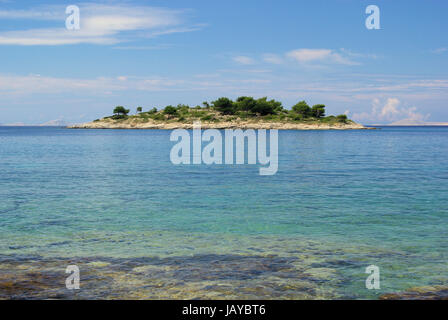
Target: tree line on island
{"type": "Point", "coordinates": [244, 108]}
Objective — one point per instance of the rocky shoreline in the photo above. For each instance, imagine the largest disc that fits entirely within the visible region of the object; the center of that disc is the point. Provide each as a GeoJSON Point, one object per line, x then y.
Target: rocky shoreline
{"type": "Point", "coordinates": [151, 124]}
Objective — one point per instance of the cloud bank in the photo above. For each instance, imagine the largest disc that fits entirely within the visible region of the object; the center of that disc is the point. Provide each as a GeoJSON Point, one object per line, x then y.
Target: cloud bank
{"type": "Point", "coordinates": [320, 56]}
{"type": "Point", "coordinates": [389, 111]}
{"type": "Point", "coordinates": [100, 24]}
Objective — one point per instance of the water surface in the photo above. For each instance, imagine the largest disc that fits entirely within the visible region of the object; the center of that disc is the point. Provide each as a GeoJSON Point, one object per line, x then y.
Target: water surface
{"type": "Point", "coordinates": [138, 226]}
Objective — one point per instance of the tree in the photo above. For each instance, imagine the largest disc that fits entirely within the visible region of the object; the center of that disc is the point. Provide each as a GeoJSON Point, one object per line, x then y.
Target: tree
{"type": "Point", "coordinates": [120, 110]}
{"type": "Point", "coordinates": [152, 111]}
{"type": "Point", "coordinates": [318, 111]}
{"type": "Point", "coordinates": [224, 105]}
{"type": "Point", "coordinates": [170, 110]}
{"type": "Point", "coordinates": [206, 105]}
{"type": "Point", "coordinates": [183, 108]}
{"type": "Point", "coordinates": [139, 109]}
{"type": "Point", "coordinates": [276, 106]}
{"type": "Point", "coordinates": [265, 107]}
{"type": "Point", "coordinates": [342, 118]}
{"type": "Point", "coordinates": [302, 108]}
{"type": "Point", "coordinates": [245, 103]}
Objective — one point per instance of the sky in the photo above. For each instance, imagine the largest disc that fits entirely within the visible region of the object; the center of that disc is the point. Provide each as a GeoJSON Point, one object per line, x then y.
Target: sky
{"type": "Point", "coordinates": [166, 52]}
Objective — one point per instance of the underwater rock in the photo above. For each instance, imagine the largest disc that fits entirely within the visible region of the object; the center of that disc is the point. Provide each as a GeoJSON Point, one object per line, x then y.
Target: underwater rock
{"type": "Point", "coordinates": [419, 293]}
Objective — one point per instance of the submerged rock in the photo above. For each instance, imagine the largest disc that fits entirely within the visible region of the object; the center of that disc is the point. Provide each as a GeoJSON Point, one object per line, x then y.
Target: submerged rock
{"type": "Point", "coordinates": [419, 293]}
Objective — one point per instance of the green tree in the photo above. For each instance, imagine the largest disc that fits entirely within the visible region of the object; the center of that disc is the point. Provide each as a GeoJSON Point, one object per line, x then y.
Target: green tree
{"type": "Point", "coordinates": [183, 108]}
{"type": "Point", "coordinates": [265, 107]}
{"type": "Point", "coordinates": [342, 118]}
{"type": "Point", "coordinates": [224, 105]}
{"type": "Point", "coordinates": [170, 110]}
{"type": "Point", "coordinates": [245, 103]}
{"type": "Point", "coordinates": [152, 111]}
{"type": "Point", "coordinates": [318, 111]}
{"type": "Point", "coordinates": [139, 109]}
{"type": "Point", "coordinates": [302, 108]}
{"type": "Point", "coordinates": [120, 110]}
{"type": "Point", "coordinates": [276, 106]}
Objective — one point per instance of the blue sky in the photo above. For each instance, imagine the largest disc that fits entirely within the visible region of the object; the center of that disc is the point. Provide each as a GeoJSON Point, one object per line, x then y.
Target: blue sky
{"type": "Point", "coordinates": [155, 53]}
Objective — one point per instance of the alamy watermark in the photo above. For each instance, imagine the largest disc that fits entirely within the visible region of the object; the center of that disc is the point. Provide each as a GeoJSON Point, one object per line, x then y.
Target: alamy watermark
{"type": "Point", "coordinates": [73, 21]}
{"type": "Point", "coordinates": [72, 281]}
{"type": "Point", "coordinates": [373, 20]}
{"type": "Point", "coordinates": [373, 280]}
{"type": "Point", "coordinates": [234, 147]}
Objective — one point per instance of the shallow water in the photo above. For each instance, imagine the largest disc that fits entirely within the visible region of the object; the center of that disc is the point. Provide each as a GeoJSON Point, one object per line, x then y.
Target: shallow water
{"type": "Point", "coordinates": [111, 202]}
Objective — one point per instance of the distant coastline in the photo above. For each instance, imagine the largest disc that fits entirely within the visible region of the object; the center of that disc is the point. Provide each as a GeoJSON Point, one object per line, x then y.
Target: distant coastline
{"type": "Point", "coordinates": [429, 124]}
{"type": "Point", "coordinates": [413, 123]}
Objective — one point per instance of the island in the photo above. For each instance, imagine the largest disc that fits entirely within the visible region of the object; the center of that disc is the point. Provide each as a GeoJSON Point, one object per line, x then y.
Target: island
{"type": "Point", "coordinates": [223, 113]}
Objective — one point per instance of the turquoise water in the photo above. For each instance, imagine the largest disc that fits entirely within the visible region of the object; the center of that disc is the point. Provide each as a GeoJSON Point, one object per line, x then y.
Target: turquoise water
{"type": "Point", "coordinates": [341, 201]}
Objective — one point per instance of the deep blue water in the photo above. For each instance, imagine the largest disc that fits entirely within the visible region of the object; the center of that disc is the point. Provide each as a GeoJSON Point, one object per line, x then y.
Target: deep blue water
{"type": "Point", "coordinates": [341, 200]}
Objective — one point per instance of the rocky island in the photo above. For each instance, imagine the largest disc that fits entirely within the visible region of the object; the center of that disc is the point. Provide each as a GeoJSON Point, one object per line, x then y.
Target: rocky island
{"type": "Point", "coordinates": [244, 113]}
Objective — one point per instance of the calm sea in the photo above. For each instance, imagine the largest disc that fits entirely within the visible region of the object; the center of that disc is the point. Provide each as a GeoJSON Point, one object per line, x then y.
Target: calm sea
{"type": "Point", "coordinates": [111, 202]}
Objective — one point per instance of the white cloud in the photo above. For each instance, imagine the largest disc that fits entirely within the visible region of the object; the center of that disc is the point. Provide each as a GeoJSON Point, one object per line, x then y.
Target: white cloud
{"type": "Point", "coordinates": [272, 58]}
{"type": "Point", "coordinates": [155, 47]}
{"type": "Point", "coordinates": [390, 111]}
{"type": "Point", "coordinates": [45, 13]}
{"type": "Point", "coordinates": [329, 56]}
{"type": "Point", "coordinates": [439, 50]}
{"type": "Point", "coordinates": [26, 85]}
{"type": "Point", "coordinates": [14, 85]}
{"type": "Point", "coordinates": [61, 36]}
{"type": "Point", "coordinates": [176, 30]}
{"type": "Point", "coordinates": [36, 84]}
{"type": "Point", "coordinates": [243, 60]}
{"type": "Point", "coordinates": [358, 55]}
{"type": "Point", "coordinates": [307, 55]}
{"type": "Point", "coordinates": [100, 24]}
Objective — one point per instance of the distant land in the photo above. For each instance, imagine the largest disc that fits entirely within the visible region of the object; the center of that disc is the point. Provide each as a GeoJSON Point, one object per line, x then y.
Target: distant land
{"type": "Point", "coordinates": [52, 123]}
{"type": "Point", "coordinates": [415, 123]}
{"type": "Point", "coordinates": [244, 113]}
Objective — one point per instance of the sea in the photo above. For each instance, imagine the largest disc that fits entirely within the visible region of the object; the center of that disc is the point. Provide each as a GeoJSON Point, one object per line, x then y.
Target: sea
{"type": "Point", "coordinates": [137, 226]}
